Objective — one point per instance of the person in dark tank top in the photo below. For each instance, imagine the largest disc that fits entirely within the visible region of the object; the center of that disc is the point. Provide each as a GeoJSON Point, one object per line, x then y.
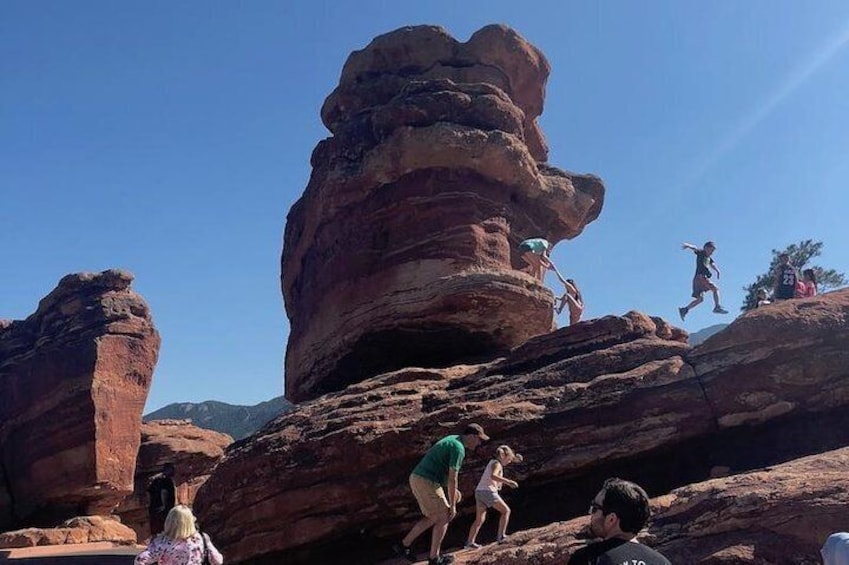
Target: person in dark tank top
{"type": "Point", "coordinates": [786, 277]}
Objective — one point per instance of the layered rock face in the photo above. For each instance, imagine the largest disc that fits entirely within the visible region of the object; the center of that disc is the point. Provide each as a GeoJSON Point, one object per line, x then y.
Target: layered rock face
{"type": "Point", "coordinates": [774, 516]}
{"type": "Point", "coordinates": [619, 396]}
{"type": "Point", "coordinates": [194, 452]}
{"type": "Point", "coordinates": [74, 378]}
{"type": "Point", "coordinates": [403, 249]}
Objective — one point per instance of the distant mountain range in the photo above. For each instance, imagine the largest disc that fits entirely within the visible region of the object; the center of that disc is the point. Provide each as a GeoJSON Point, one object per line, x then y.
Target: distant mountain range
{"type": "Point", "coordinates": [704, 333]}
{"type": "Point", "coordinates": [236, 421]}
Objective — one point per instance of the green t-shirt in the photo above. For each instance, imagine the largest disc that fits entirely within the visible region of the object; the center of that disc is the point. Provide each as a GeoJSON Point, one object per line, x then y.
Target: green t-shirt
{"type": "Point", "coordinates": [447, 453]}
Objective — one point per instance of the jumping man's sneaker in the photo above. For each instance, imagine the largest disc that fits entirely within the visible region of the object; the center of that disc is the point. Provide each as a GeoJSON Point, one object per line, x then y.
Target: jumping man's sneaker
{"type": "Point", "coordinates": [683, 313]}
{"type": "Point", "coordinates": [473, 545]}
{"type": "Point", "coordinates": [720, 310]}
{"type": "Point", "coordinates": [401, 551]}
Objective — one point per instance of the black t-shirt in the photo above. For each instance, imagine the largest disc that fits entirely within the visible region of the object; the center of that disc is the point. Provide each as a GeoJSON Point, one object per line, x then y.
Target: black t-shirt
{"type": "Point", "coordinates": [617, 552]}
{"type": "Point", "coordinates": [703, 263]}
{"type": "Point", "coordinates": [787, 278]}
{"type": "Point", "coordinates": [154, 491]}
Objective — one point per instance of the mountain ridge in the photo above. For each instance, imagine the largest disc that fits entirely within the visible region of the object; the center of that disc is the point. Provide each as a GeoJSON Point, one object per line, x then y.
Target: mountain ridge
{"type": "Point", "coordinates": [237, 421]}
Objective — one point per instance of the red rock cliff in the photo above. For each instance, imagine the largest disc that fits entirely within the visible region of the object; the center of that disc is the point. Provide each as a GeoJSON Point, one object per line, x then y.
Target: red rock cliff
{"type": "Point", "coordinates": [403, 249]}
{"type": "Point", "coordinates": [74, 378]}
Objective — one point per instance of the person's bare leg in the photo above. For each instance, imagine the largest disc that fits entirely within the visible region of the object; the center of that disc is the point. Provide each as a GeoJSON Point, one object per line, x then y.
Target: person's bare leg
{"type": "Point", "coordinates": [480, 518]}
{"type": "Point", "coordinates": [505, 517]}
{"type": "Point", "coordinates": [694, 303]}
{"type": "Point", "coordinates": [418, 529]}
{"type": "Point", "coordinates": [440, 526]}
{"type": "Point", "coordinates": [716, 298]}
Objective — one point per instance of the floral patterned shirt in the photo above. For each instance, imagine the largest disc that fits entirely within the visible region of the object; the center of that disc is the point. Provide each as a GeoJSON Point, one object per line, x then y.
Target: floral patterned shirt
{"type": "Point", "coordinates": [189, 551]}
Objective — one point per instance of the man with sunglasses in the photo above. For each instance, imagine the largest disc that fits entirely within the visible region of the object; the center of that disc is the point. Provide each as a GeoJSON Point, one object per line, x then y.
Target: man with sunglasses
{"type": "Point", "coordinates": [617, 513]}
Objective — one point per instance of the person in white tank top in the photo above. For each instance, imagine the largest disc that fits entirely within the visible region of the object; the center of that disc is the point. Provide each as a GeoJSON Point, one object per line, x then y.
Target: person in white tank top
{"type": "Point", "coordinates": [486, 493]}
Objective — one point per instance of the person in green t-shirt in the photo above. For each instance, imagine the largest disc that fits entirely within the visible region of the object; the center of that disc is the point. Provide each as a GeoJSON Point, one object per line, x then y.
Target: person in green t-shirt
{"type": "Point", "coordinates": [434, 476]}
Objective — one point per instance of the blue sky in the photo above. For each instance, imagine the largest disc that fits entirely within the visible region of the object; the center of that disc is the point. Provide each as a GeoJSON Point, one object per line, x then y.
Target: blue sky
{"type": "Point", "coordinates": [170, 139]}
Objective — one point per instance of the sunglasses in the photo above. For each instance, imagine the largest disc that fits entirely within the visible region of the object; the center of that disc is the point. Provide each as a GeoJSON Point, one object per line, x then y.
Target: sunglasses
{"type": "Point", "coordinates": [596, 506]}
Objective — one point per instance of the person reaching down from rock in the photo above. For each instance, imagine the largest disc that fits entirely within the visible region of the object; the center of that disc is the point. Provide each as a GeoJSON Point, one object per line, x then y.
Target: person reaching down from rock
{"type": "Point", "coordinates": [535, 252]}
{"type": "Point", "coordinates": [486, 494]}
{"type": "Point", "coordinates": [180, 543]}
{"type": "Point", "coordinates": [617, 514]}
{"type": "Point", "coordinates": [701, 280]}
{"type": "Point", "coordinates": [434, 484]}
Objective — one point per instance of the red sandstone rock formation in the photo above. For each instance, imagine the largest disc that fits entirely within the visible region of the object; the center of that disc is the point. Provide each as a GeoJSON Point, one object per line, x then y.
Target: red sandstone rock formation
{"type": "Point", "coordinates": [194, 451]}
{"type": "Point", "coordinates": [616, 396]}
{"type": "Point", "coordinates": [74, 378]}
{"type": "Point", "coordinates": [775, 516]}
{"type": "Point", "coordinates": [403, 249]}
{"type": "Point", "coordinates": [85, 529]}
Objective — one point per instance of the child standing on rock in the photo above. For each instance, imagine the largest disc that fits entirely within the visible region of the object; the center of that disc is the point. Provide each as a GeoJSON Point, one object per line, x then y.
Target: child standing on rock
{"type": "Point", "coordinates": [486, 493]}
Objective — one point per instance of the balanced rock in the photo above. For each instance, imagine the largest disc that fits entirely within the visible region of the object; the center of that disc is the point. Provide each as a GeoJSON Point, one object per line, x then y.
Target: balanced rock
{"type": "Point", "coordinates": [194, 452]}
{"type": "Point", "coordinates": [74, 377]}
{"type": "Point", "coordinates": [402, 250]}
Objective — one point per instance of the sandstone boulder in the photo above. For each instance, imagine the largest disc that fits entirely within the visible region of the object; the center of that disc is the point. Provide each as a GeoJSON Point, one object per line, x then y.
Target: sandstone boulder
{"type": "Point", "coordinates": [787, 358]}
{"type": "Point", "coordinates": [329, 478]}
{"type": "Point", "coordinates": [84, 529]}
{"type": "Point", "coordinates": [402, 250]}
{"type": "Point", "coordinates": [614, 396]}
{"type": "Point", "coordinates": [74, 378]}
{"type": "Point", "coordinates": [194, 452]}
{"type": "Point", "coordinates": [773, 516]}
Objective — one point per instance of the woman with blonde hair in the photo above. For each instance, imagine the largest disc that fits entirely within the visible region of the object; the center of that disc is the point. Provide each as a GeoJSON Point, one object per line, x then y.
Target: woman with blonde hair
{"type": "Point", "coordinates": [180, 543]}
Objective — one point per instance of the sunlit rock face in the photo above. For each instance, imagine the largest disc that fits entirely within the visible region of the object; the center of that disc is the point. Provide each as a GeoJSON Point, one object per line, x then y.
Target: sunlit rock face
{"type": "Point", "coordinates": [74, 378]}
{"type": "Point", "coordinates": [402, 250]}
{"type": "Point", "coordinates": [616, 396]}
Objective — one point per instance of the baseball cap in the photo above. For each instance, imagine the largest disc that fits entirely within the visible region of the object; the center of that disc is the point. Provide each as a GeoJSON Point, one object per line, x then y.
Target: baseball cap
{"type": "Point", "coordinates": [475, 430]}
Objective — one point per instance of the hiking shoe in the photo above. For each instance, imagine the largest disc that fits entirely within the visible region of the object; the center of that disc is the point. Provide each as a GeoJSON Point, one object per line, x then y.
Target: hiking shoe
{"type": "Point", "coordinates": [441, 560]}
{"type": "Point", "coordinates": [683, 313]}
{"type": "Point", "coordinates": [405, 552]}
{"type": "Point", "coordinates": [472, 545]}
{"type": "Point", "coordinates": [502, 539]}
{"type": "Point", "coordinates": [720, 310]}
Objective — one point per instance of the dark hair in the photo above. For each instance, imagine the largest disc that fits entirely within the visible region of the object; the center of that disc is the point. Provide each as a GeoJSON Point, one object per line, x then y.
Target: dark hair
{"type": "Point", "coordinates": [577, 291]}
{"type": "Point", "coordinates": [810, 274]}
{"type": "Point", "coordinates": [709, 244]}
{"type": "Point", "coordinates": [629, 502]}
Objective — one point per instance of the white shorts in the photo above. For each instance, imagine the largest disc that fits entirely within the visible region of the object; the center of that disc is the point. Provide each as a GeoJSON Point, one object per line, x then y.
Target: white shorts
{"type": "Point", "coordinates": [487, 497]}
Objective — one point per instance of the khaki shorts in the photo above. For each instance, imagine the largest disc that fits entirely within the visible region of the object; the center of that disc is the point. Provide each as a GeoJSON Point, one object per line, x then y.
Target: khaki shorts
{"type": "Point", "coordinates": [430, 496]}
{"type": "Point", "coordinates": [702, 284]}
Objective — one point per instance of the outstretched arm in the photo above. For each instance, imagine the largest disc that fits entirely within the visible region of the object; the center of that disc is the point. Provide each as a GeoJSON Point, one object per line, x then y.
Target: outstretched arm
{"type": "Point", "coordinates": [689, 246]}
{"type": "Point", "coordinates": [553, 267]}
